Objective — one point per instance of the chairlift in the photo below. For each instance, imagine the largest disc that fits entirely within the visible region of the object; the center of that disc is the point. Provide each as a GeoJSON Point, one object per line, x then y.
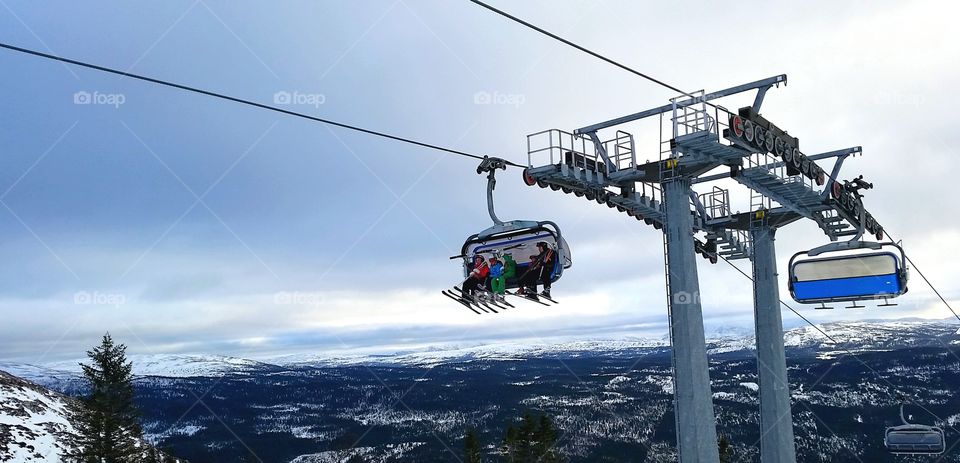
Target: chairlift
{"type": "Point", "coordinates": [832, 273]}
{"type": "Point", "coordinates": [849, 271]}
{"type": "Point", "coordinates": [914, 439]}
{"type": "Point", "coordinates": [515, 242]}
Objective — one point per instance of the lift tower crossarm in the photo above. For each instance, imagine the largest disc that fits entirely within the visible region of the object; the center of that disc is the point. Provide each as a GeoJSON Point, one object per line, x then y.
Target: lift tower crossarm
{"type": "Point", "coordinates": [760, 84]}
{"type": "Point", "coordinates": [814, 157]}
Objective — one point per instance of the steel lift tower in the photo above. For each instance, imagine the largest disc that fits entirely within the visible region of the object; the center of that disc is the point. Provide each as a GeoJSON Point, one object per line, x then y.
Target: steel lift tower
{"type": "Point", "coordinates": [701, 142]}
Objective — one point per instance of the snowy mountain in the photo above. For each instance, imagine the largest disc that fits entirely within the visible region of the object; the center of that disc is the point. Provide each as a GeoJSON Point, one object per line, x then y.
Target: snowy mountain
{"type": "Point", "coordinates": [611, 399]}
{"type": "Point", "coordinates": [848, 336]}
{"type": "Point", "coordinates": [36, 424]}
{"type": "Point", "coordinates": [500, 351]}
{"type": "Point", "coordinates": [175, 365]}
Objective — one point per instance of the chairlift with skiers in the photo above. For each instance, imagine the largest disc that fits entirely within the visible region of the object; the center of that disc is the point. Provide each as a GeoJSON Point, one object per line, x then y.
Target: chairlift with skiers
{"type": "Point", "coordinates": [514, 255]}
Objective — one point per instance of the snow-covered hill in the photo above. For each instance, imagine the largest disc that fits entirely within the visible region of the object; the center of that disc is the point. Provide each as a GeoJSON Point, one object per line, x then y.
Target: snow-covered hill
{"type": "Point", "coordinates": [37, 424]}
{"type": "Point", "coordinates": [34, 422]}
{"type": "Point", "coordinates": [854, 336]}
{"type": "Point", "coordinates": [42, 375]}
{"type": "Point", "coordinates": [173, 365]}
{"type": "Point", "coordinates": [847, 336]}
{"type": "Point", "coordinates": [499, 351]}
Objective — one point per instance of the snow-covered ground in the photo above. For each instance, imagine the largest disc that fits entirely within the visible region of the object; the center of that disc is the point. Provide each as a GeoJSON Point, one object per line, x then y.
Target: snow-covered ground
{"type": "Point", "coordinates": [390, 452]}
{"type": "Point", "coordinates": [175, 365]}
{"type": "Point", "coordinates": [34, 422]}
{"type": "Point", "coordinates": [848, 335]}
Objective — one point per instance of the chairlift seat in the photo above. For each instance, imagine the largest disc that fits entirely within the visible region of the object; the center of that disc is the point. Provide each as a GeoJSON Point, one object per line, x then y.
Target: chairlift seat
{"type": "Point", "coordinates": [519, 239]}
{"type": "Point", "coordinates": [914, 439]}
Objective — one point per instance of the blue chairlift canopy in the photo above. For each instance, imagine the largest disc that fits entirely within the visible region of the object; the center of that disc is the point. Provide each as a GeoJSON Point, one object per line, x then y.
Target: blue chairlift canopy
{"type": "Point", "coordinates": [850, 277]}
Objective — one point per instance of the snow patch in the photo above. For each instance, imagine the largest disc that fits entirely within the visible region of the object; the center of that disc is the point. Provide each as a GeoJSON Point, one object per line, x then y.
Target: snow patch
{"type": "Point", "coordinates": [176, 365]}
{"type": "Point", "coordinates": [752, 386]}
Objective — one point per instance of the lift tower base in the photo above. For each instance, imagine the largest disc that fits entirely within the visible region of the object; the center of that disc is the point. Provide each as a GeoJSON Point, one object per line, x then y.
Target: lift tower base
{"type": "Point", "coordinates": [693, 401]}
{"type": "Point", "coordinates": [776, 422]}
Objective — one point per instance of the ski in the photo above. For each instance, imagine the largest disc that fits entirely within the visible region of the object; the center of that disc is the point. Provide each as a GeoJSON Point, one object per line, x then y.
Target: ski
{"type": "Point", "coordinates": [461, 301]}
{"type": "Point", "coordinates": [541, 296]}
{"type": "Point", "coordinates": [474, 300]}
{"type": "Point", "coordinates": [522, 296]}
{"type": "Point", "coordinates": [484, 304]}
{"type": "Point", "coordinates": [490, 298]}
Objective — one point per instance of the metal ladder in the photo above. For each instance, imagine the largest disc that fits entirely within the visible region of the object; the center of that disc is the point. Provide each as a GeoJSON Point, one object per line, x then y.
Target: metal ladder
{"type": "Point", "coordinates": [673, 361]}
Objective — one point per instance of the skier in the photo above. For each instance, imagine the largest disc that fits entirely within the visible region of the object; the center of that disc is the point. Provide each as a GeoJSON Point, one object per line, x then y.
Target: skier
{"type": "Point", "coordinates": [541, 267]}
{"type": "Point", "coordinates": [497, 278]}
{"type": "Point", "coordinates": [477, 277]}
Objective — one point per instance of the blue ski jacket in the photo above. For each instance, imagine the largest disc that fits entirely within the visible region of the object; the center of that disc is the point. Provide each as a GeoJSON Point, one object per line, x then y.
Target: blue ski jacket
{"type": "Point", "coordinates": [496, 270]}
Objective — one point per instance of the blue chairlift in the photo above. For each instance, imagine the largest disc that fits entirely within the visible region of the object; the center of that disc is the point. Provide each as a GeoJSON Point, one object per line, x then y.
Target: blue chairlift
{"type": "Point", "coordinates": [849, 271]}
{"type": "Point", "coordinates": [821, 275]}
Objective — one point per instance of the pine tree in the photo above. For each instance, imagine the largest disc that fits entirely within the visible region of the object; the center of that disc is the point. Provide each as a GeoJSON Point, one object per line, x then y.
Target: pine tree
{"type": "Point", "coordinates": [108, 422]}
{"type": "Point", "coordinates": [546, 438]}
{"type": "Point", "coordinates": [726, 450]}
{"type": "Point", "coordinates": [534, 440]}
{"type": "Point", "coordinates": [525, 438]}
{"type": "Point", "coordinates": [510, 444]}
{"type": "Point", "coordinates": [471, 447]}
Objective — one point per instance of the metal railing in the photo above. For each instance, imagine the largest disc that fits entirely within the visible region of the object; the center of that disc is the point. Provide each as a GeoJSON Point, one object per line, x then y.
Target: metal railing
{"type": "Point", "coordinates": [691, 119]}
{"type": "Point", "coordinates": [620, 149]}
{"type": "Point", "coordinates": [778, 168]}
{"type": "Point", "coordinates": [650, 190]}
{"type": "Point", "coordinates": [555, 146]}
{"type": "Point", "coordinates": [716, 202]}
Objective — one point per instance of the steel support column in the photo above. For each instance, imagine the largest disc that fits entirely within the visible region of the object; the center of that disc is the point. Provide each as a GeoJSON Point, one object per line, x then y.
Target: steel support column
{"type": "Point", "coordinates": [776, 423]}
{"type": "Point", "coordinates": [696, 423]}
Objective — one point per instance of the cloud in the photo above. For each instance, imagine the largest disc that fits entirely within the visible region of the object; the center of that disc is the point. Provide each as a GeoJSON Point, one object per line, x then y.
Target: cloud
{"type": "Point", "coordinates": [359, 229]}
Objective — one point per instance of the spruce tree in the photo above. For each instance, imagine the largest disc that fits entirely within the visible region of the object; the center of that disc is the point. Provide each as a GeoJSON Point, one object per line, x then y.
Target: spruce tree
{"type": "Point", "coordinates": [510, 444]}
{"type": "Point", "coordinates": [108, 421]}
{"type": "Point", "coordinates": [545, 440]}
{"type": "Point", "coordinates": [534, 440]}
{"type": "Point", "coordinates": [525, 438]}
{"type": "Point", "coordinates": [726, 450]}
{"type": "Point", "coordinates": [471, 447]}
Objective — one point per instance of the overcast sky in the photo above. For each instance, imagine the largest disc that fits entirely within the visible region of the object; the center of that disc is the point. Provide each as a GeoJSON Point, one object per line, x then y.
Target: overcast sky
{"type": "Point", "coordinates": [183, 223]}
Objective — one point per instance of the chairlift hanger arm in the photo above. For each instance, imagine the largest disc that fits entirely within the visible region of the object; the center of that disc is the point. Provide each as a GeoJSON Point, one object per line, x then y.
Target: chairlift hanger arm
{"type": "Point", "coordinates": [490, 166]}
{"type": "Point", "coordinates": [764, 83]}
